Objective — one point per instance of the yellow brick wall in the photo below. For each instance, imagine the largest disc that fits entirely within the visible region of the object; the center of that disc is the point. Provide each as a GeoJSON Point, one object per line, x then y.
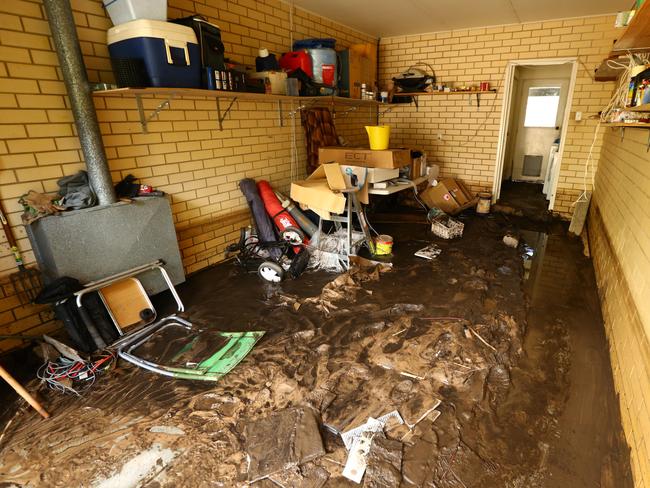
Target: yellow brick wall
{"type": "Point", "coordinates": [619, 235]}
{"type": "Point", "coordinates": [183, 154]}
{"type": "Point", "coordinates": [469, 135]}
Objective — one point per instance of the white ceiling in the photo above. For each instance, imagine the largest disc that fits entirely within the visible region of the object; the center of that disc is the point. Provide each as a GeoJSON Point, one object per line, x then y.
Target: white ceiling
{"type": "Point", "coordinates": [383, 18]}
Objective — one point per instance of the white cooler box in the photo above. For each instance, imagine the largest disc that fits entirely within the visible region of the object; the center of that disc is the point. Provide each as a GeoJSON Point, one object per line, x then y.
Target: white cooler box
{"type": "Point", "coordinates": [170, 52]}
{"type": "Point", "coordinates": [121, 11]}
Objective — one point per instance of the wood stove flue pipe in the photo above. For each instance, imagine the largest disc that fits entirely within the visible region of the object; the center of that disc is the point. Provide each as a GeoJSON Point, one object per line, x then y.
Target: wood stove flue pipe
{"type": "Point", "coordinates": [66, 42]}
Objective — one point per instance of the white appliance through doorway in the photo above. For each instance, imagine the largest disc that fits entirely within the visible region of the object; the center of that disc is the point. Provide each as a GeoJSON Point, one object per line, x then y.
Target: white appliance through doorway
{"type": "Point", "coordinates": [535, 113]}
{"type": "Point", "coordinates": [541, 109]}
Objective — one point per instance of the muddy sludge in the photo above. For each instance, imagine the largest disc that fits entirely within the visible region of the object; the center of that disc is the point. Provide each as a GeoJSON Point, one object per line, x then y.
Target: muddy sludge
{"type": "Point", "coordinates": [368, 342]}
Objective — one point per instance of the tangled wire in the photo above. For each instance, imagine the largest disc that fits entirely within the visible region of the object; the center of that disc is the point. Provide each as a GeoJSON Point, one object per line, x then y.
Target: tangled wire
{"type": "Point", "coordinates": [68, 376]}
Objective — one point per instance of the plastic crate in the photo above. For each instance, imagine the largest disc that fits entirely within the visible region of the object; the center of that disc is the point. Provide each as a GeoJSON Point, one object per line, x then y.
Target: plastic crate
{"type": "Point", "coordinates": [447, 228]}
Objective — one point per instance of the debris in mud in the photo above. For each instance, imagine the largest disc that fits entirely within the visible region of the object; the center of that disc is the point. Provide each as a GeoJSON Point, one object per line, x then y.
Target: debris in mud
{"type": "Point", "coordinates": [281, 441]}
{"type": "Point", "coordinates": [430, 252]}
{"type": "Point", "coordinates": [306, 476]}
{"type": "Point", "coordinates": [355, 466]}
{"type": "Point", "coordinates": [372, 425]}
{"type": "Point", "coordinates": [511, 240]}
{"type": "Point", "coordinates": [384, 463]}
{"type": "Point", "coordinates": [144, 465]}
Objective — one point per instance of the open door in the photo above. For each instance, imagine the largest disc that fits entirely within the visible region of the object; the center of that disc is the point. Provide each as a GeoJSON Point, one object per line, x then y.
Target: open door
{"type": "Point", "coordinates": [542, 104]}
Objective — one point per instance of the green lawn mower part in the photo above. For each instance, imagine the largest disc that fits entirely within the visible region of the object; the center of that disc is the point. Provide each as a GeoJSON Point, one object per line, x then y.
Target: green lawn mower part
{"type": "Point", "coordinates": [233, 347]}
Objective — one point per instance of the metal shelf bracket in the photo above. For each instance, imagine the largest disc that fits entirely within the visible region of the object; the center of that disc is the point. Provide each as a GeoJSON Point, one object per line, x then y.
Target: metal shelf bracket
{"type": "Point", "coordinates": [221, 117]}
{"type": "Point", "coordinates": [145, 119]}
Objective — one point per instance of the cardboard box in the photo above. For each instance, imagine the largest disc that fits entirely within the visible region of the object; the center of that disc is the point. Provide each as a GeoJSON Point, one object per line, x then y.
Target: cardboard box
{"type": "Point", "coordinates": [449, 195]}
{"type": "Point", "coordinates": [388, 159]}
{"type": "Point", "coordinates": [321, 191]}
{"type": "Point", "coordinates": [375, 175]}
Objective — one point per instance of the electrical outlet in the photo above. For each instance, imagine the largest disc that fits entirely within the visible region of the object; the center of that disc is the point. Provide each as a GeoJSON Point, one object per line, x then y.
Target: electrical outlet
{"type": "Point", "coordinates": [439, 136]}
{"type": "Point", "coordinates": [578, 116]}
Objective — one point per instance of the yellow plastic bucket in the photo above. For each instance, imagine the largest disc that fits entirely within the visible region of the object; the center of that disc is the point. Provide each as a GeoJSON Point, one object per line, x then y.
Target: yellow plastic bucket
{"type": "Point", "coordinates": [383, 245]}
{"type": "Point", "coordinates": [379, 135]}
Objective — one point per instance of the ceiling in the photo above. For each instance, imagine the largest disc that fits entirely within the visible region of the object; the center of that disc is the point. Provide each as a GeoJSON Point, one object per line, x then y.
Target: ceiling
{"type": "Point", "coordinates": [383, 18]}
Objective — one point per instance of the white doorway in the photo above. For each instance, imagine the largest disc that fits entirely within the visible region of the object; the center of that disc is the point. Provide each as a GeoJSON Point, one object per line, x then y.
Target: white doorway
{"type": "Point", "coordinates": [534, 121]}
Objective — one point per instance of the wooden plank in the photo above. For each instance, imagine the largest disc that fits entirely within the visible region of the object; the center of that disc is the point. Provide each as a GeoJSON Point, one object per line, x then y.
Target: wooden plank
{"type": "Point", "coordinates": [640, 108]}
{"type": "Point", "coordinates": [260, 97]}
{"type": "Point", "coordinates": [421, 94]}
{"type": "Point", "coordinates": [636, 125]}
{"type": "Point", "coordinates": [637, 35]}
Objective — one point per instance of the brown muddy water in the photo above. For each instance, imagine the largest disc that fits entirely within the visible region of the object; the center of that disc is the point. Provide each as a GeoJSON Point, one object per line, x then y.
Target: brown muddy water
{"type": "Point", "coordinates": [515, 353]}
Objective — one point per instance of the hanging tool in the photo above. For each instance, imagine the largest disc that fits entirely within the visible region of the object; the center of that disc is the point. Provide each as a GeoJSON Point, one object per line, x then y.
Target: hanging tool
{"type": "Point", "coordinates": [23, 393]}
{"type": "Point", "coordinates": [27, 281]}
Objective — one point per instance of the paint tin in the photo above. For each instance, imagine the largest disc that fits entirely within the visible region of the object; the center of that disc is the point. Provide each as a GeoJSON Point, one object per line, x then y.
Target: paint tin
{"type": "Point", "coordinates": [485, 85]}
{"type": "Point", "coordinates": [383, 245]}
{"type": "Point", "coordinates": [484, 202]}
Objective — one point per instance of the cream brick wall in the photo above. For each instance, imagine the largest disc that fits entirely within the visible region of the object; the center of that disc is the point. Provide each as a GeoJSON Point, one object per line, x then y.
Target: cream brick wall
{"type": "Point", "coordinates": [183, 154]}
{"type": "Point", "coordinates": [469, 56]}
{"type": "Point", "coordinates": [619, 234]}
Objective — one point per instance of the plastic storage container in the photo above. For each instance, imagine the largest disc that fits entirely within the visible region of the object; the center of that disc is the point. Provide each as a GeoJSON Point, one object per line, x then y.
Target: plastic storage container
{"type": "Point", "coordinates": [277, 79]}
{"type": "Point", "coordinates": [290, 62]}
{"type": "Point", "coordinates": [170, 52]}
{"type": "Point", "coordinates": [322, 56]}
{"type": "Point", "coordinates": [122, 11]}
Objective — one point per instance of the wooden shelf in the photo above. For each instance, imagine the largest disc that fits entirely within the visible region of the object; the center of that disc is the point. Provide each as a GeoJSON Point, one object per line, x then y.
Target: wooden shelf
{"type": "Point", "coordinates": [230, 98]}
{"type": "Point", "coordinates": [229, 95]}
{"type": "Point", "coordinates": [637, 34]}
{"type": "Point", "coordinates": [641, 108]}
{"type": "Point", "coordinates": [637, 125]}
{"type": "Point", "coordinates": [424, 94]}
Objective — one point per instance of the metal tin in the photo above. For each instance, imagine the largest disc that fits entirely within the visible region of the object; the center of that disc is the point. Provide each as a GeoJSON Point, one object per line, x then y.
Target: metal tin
{"type": "Point", "coordinates": [484, 202]}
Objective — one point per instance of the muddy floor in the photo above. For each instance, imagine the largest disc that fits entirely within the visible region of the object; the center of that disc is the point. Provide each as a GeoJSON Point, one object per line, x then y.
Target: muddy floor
{"type": "Point", "coordinates": [497, 365]}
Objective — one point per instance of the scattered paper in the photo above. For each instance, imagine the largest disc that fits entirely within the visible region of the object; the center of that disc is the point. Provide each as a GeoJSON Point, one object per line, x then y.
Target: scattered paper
{"type": "Point", "coordinates": [430, 252]}
{"type": "Point", "coordinates": [372, 425]}
{"type": "Point", "coordinates": [355, 466]}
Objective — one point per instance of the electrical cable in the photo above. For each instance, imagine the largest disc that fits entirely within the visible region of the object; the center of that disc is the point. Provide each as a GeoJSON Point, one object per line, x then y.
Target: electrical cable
{"type": "Point", "coordinates": [617, 102]}
{"type": "Point", "coordinates": [67, 376]}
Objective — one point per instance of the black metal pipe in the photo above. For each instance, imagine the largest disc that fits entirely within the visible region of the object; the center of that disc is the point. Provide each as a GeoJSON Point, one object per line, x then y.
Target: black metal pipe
{"type": "Point", "coordinates": [64, 33]}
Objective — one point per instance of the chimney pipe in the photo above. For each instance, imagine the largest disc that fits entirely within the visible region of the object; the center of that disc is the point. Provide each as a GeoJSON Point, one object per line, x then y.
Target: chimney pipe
{"type": "Point", "coordinates": [64, 33]}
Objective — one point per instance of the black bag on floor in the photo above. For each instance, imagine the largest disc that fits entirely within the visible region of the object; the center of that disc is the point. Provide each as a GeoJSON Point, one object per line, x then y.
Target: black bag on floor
{"type": "Point", "coordinates": [60, 294]}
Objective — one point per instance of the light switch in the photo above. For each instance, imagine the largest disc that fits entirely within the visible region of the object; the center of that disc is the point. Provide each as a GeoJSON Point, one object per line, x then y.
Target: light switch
{"type": "Point", "coordinates": [578, 116]}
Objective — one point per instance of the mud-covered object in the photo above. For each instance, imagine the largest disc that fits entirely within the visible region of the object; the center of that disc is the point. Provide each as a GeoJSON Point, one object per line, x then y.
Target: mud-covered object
{"type": "Point", "coordinates": [76, 192]}
{"type": "Point", "coordinates": [384, 463]}
{"type": "Point", "coordinates": [282, 440]}
{"type": "Point", "coordinates": [319, 132]}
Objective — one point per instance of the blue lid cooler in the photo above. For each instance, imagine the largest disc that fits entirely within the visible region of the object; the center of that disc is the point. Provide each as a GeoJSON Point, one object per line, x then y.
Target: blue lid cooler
{"type": "Point", "coordinates": [170, 52]}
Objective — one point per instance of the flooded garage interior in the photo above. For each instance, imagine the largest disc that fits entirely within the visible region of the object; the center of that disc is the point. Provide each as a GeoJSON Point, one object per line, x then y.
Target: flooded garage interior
{"type": "Point", "coordinates": [319, 243]}
{"type": "Point", "coordinates": [495, 357]}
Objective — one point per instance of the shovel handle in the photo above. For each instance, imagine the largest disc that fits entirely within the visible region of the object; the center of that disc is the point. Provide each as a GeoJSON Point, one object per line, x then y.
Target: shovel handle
{"type": "Point", "coordinates": [11, 239]}
{"type": "Point", "coordinates": [23, 393]}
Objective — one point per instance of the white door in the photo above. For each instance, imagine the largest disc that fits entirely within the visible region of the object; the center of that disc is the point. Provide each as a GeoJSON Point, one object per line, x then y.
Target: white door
{"type": "Point", "coordinates": [541, 111]}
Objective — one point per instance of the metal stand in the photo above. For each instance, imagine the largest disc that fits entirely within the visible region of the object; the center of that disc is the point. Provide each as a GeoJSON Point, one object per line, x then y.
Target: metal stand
{"type": "Point", "coordinates": [353, 207]}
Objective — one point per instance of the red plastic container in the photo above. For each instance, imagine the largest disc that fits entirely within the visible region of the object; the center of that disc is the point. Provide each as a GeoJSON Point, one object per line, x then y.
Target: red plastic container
{"type": "Point", "coordinates": [297, 59]}
{"type": "Point", "coordinates": [329, 71]}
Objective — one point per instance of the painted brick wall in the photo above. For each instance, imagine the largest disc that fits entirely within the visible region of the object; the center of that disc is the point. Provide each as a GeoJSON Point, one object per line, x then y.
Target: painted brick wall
{"type": "Point", "coordinates": [468, 144]}
{"type": "Point", "coordinates": [183, 154]}
{"type": "Point", "coordinates": [619, 235]}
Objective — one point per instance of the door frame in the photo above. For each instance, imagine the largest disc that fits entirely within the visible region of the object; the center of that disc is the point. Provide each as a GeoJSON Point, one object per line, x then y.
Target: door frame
{"type": "Point", "coordinates": [508, 97]}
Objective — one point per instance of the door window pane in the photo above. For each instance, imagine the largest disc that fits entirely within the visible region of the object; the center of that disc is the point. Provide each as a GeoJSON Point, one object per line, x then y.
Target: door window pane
{"type": "Point", "coordinates": [541, 107]}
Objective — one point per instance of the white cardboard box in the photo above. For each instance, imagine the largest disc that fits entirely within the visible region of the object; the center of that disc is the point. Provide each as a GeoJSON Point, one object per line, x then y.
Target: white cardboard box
{"type": "Point", "coordinates": [375, 175]}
